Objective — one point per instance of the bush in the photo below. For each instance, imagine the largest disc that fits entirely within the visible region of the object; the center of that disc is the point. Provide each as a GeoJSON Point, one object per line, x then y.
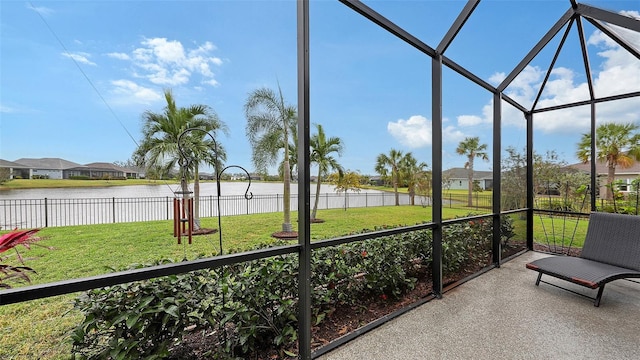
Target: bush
{"type": "Point", "coordinates": [141, 320]}
{"type": "Point", "coordinates": [5, 175]}
{"type": "Point", "coordinates": [253, 306]}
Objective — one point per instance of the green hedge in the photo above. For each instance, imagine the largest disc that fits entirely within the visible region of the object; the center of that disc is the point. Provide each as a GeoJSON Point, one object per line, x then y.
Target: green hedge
{"type": "Point", "coordinates": [252, 306]}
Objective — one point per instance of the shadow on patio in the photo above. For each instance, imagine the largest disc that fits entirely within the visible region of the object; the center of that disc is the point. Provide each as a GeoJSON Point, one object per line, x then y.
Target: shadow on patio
{"type": "Point", "coordinates": [502, 314]}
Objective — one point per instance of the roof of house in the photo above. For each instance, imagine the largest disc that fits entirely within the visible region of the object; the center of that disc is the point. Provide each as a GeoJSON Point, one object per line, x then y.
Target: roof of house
{"type": "Point", "coordinates": [105, 166]}
{"type": "Point", "coordinates": [11, 164]}
{"type": "Point", "coordinates": [47, 163]}
{"type": "Point", "coordinates": [601, 168]}
{"type": "Point", "coordinates": [462, 173]}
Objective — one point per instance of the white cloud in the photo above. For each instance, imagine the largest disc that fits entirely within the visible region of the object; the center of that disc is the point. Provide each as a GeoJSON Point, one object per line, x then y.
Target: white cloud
{"type": "Point", "coordinates": [6, 109]}
{"type": "Point", "coordinates": [167, 62]}
{"type": "Point", "coordinates": [416, 132]}
{"type": "Point", "coordinates": [162, 76]}
{"type": "Point", "coordinates": [44, 11]}
{"type": "Point", "coordinates": [130, 92]}
{"type": "Point", "coordinates": [474, 120]}
{"type": "Point", "coordinates": [80, 57]}
{"type": "Point", "coordinates": [211, 82]}
{"type": "Point", "coordinates": [497, 78]}
{"type": "Point", "coordinates": [469, 120]}
{"type": "Point", "coordinates": [119, 56]}
{"type": "Point", "coordinates": [618, 73]}
{"type": "Point", "coordinates": [216, 60]}
{"type": "Point", "coordinates": [165, 51]}
{"type": "Point", "coordinates": [451, 135]}
{"type": "Point", "coordinates": [620, 70]}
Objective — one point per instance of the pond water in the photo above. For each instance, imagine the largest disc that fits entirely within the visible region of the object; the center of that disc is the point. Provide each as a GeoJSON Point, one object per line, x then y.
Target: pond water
{"type": "Point", "coordinates": [159, 190]}
{"type": "Point", "coordinates": [29, 208]}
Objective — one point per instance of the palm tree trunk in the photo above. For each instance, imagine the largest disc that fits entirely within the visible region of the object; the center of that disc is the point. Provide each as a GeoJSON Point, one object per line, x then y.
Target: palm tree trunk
{"type": "Point", "coordinates": [611, 175]}
{"type": "Point", "coordinates": [286, 225]}
{"type": "Point", "coordinates": [470, 185]}
{"type": "Point", "coordinates": [196, 199]}
{"type": "Point", "coordinates": [395, 188]}
{"type": "Point", "coordinates": [345, 199]}
{"type": "Point", "coordinates": [315, 203]}
{"type": "Point", "coordinates": [185, 193]}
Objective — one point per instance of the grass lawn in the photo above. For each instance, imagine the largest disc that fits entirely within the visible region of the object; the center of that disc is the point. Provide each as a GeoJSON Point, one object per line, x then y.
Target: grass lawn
{"type": "Point", "coordinates": [66, 183]}
{"type": "Point", "coordinates": [38, 329]}
{"type": "Point", "coordinates": [557, 230]}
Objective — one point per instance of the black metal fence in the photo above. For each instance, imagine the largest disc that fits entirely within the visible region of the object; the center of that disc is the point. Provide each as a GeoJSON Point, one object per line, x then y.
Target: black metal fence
{"type": "Point", "coordinates": [458, 200]}
{"type": "Point", "coordinates": [629, 206]}
{"type": "Point", "coordinates": [39, 213]}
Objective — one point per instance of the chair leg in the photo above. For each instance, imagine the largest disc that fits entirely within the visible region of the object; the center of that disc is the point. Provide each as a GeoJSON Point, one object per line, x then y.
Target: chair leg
{"type": "Point", "coordinates": [599, 296]}
{"type": "Point", "coordinates": [539, 277]}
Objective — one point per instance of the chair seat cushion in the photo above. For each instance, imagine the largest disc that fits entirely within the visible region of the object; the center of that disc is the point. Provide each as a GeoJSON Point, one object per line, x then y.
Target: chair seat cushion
{"type": "Point", "coordinates": [581, 271]}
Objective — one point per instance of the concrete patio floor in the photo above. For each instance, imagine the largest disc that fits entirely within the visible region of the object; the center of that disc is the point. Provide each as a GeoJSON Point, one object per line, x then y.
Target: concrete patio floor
{"type": "Point", "coordinates": [503, 315]}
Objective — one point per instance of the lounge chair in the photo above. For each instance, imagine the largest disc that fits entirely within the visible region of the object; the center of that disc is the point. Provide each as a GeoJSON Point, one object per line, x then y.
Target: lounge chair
{"type": "Point", "coordinates": [611, 251]}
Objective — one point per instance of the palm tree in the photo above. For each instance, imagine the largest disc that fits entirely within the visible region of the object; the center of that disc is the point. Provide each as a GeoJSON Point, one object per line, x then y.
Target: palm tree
{"type": "Point", "coordinates": [616, 144]}
{"type": "Point", "coordinates": [348, 180]}
{"type": "Point", "coordinates": [159, 147]}
{"type": "Point", "coordinates": [384, 163]}
{"type": "Point", "coordinates": [293, 153]}
{"type": "Point", "coordinates": [471, 148]}
{"type": "Point", "coordinates": [269, 121]}
{"type": "Point", "coordinates": [321, 150]}
{"type": "Point", "coordinates": [412, 173]}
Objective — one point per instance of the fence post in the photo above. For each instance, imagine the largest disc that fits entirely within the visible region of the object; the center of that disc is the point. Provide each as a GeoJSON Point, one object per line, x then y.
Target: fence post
{"type": "Point", "coordinates": [46, 212]}
{"type": "Point", "coordinates": [113, 208]}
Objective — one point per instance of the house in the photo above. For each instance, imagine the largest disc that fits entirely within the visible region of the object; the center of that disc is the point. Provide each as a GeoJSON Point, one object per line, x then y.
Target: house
{"type": "Point", "coordinates": [458, 179]}
{"type": "Point", "coordinates": [100, 170]}
{"type": "Point", "coordinates": [206, 176]}
{"type": "Point", "coordinates": [15, 170]}
{"type": "Point", "coordinates": [376, 180]}
{"type": "Point", "coordinates": [626, 176]}
{"type": "Point", "coordinates": [134, 172]}
{"type": "Point", "coordinates": [49, 168]}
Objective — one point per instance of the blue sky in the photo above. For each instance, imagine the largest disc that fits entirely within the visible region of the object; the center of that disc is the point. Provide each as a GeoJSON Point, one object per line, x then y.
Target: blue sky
{"type": "Point", "coordinates": [76, 76]}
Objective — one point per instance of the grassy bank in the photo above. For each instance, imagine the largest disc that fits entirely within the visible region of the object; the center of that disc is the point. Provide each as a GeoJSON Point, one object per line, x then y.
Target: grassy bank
{"type": "Point", "coordinates": [66, 183]}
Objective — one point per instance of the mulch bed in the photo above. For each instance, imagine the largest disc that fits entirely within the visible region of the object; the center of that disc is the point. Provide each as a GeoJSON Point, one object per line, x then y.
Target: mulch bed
{"type": "Point", "coordinates": [285, 235]}
{"type": "Point", "coordinates": [201, 231]}
{"type": "Point", "coordinates": [204, 231]}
